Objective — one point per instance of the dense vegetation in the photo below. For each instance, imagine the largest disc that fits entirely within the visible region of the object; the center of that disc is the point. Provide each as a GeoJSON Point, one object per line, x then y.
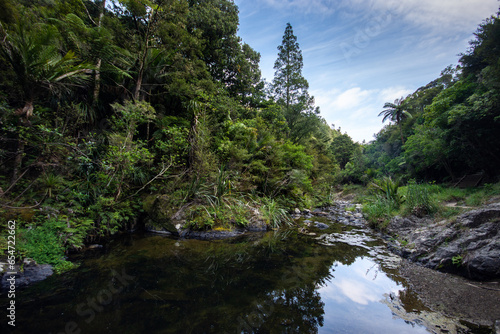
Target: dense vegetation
{"type": "Point", "coordinates": [106, 102]}
{"type": "Point", "coordinates": [449, 127]}
{"type": "Point", "coordinates": [440, 133]}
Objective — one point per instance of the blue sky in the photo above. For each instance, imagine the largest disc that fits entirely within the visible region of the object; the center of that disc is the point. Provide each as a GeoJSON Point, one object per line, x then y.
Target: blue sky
{"type": "Point", "coordinates": [359, 54]}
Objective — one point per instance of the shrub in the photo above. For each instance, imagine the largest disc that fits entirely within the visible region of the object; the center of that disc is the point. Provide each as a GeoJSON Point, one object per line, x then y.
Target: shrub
{"type": "Point", "coordinates": [225, 215]}
{"type": "Point", "coordinates": [379, 212]}
{"type": "Point", "coordinates": [42, 244]}
{"type": "Point", "coordinates": [388, 189]}
{"type": "Point", "coordinates": [418, 200]}
{"type": "Point", "coordinates": [48, 243]}
{"type": "Point", "coordinates": [274, 214]}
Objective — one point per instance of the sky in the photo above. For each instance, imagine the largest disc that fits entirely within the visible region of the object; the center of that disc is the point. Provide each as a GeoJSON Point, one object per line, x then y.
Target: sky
{"type": "Point", "coordinates": [359, 54]}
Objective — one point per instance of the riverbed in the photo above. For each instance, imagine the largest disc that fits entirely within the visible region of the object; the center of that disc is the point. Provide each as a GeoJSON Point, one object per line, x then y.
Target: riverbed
{"type": "Point", "coordinates": [341, 279]}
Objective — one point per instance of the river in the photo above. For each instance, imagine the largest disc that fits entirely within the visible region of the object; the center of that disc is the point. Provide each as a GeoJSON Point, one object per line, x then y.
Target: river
{"type": "Point", "coordinates": [341, 280]}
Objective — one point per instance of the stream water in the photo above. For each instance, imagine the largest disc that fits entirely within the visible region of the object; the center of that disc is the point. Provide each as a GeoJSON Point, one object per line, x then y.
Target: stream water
{"type": "Point", "coordinates": [340, 281]}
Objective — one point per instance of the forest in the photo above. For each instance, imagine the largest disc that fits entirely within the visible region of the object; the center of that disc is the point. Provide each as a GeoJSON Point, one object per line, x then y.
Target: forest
{"type": "Point", "coordinates": [108, 103]}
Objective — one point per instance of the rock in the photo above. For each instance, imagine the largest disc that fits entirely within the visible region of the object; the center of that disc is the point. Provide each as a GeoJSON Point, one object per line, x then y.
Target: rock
{"type": "Point", "coordinates": [256, 225]}
{"type": "Point", "coordinates": [160, 213]}
{"type": "Point", "coordinates": [470, 245]}
{"type": "Point", "coordinates": [29, 262]}
{"type": "Point", "coordinates": [296, 211]}
{"type": "Point", "coordinates": [210, 235]}
{"type": "Point", "coordinates": [321, 226]}
{"type": "Point", "coordinates": [321, 214]}
{"type": "Point", "coordinates": [95, 246]}
{"type": "Point", "coordinates": [32, 273]}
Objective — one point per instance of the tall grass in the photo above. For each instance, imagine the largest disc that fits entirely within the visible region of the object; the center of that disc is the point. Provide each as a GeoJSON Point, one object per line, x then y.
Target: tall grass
{"type": "Point", "coordinates": [379, 211]}
{"type": "Point", "coordinates": [419, 200]}
{"type": "Point", "coordinates": [388, 200]}
{"type": "Point", "coordinates": [274, 214]}
{"type": "Point", "coordinates": [222, 185]}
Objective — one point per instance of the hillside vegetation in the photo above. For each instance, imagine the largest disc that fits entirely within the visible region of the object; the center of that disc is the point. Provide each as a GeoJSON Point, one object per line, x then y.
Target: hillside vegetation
{"type": "Point", "coordinates": [106, 103]}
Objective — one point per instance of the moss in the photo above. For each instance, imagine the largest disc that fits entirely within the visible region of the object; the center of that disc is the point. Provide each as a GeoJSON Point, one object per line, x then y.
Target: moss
{"type": "Point", "coordinates": [22, 214]}
{"type": "Point", "coordinates": [159, 210]}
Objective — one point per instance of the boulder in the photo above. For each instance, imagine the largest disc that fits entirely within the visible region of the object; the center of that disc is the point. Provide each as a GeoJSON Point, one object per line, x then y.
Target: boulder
{"type": "Point", "coordinates": [32, 273]}
{"type": "Point", "coordinates": [159, 212]}
{"type": "Point", "coordinates": [321, 226]}
{"type": "Point", "coordinates": [470, 245]}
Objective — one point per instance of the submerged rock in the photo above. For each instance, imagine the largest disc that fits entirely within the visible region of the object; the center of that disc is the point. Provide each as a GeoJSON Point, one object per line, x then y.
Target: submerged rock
{"type": "Point", "coordinates": [210, 235]}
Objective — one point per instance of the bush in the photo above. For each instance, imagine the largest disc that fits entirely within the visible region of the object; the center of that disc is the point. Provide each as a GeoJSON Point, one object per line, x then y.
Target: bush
{"type": "Point", "coordinates": [388, 189]}
{"type": "Point", "coordinates": [274, 214]}
{"type": "Point", "coordinates": [42, 244]}
{"type": "Point", "coordinates": [418, 200]}
{"type": "Point", "coordinates": [48, 243]}
{"type": "Point", "coordinates": [225, 215]}
{"type": "Point", "coordinates": [379, 212]}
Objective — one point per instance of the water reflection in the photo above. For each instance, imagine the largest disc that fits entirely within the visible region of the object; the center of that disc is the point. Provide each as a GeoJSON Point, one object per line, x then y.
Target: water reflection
{"type": "Point", "coordinates": [276, 283]}
{"type": "Point", "coordinates": [353, 301]}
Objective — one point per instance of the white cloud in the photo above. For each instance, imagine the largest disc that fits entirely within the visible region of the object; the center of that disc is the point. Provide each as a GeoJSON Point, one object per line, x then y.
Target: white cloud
{"type": "Point", "coordinates": [357, 291]}
{"type": "Point", "coordinates": [392, 93]}
{"type": "Point", "coordinates": [351, 98]}
{"type": "Point", "coordinates": [357, 100]}
{"type": "Point", "coordinates": [305, 6]}
{"type": "Point", "coordinates": [449, 15]}
{"type": "Point", "coordinates": [337, 100]}
{"type": "Point", "coordinates": [355, 110]}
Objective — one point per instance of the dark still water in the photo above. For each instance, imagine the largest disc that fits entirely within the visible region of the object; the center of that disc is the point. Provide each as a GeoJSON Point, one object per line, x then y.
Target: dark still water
{"type": "Point", "coordinates": [339, 281]}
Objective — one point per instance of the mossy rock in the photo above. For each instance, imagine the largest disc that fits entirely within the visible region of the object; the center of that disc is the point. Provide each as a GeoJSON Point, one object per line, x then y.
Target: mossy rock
{"type": "Point", "coordinates": [159, 210]}
{"type": "Point", "coordinates": [23, 214]}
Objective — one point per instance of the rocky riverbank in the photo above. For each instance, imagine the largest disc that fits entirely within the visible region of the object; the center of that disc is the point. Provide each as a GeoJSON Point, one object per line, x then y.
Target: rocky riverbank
{"type": "Point", "coordinates": [468, 245]}
{"type": "Point", "coordinates": [472, 237]}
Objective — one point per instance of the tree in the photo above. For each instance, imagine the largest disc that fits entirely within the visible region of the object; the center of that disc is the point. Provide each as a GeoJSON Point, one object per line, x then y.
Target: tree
{"type": "Point", "coordinates": [39, 67]}
{"type": "Point", "coordinates": [290, 87]}
{"type": "Point", "coordinates": [150, 23]}
{"type": "Point", "coordinates": [342, 148]}
{"type": "Point", "coordinates": [229, 61]}
{"type": "Point", "coordinates": [396, 112]}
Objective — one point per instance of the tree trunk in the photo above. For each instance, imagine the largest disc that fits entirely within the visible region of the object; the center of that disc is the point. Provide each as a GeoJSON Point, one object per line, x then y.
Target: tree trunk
{"type": "Point", "coordinates": [97, 72]}
{"type": "Point", "coordinates": [401, 132]}
{"type": "Point", "coordinates": [18, 161]}
{"type": "Point", "coordinates": [24, 114]}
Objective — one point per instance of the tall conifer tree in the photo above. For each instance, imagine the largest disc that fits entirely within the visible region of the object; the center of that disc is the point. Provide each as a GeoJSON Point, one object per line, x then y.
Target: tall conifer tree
{"type": "Point", "coordinates": [290, 87]}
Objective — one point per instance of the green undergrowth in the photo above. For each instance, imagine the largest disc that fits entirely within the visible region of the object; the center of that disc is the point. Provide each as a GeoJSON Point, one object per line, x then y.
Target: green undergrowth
{"type": "Point", "coordinates": [387, 198]}
{"type": "Point", "coordinates": [231, 213]}
{"type": "Point", "coordinates": [224, 216]}
{"type": "Point", "coordinates": [47, 243]}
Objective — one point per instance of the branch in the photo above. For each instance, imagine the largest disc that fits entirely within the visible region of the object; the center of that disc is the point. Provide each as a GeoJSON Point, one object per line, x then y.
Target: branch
{"type": "Point", "coordinates": [24, 207]}
{"type": "Point", "coordinates": [163, 171]}
{"type": "Point", "coordinates": [87, 11]}
{"type": "Point", "coordinates": [14, 183]}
